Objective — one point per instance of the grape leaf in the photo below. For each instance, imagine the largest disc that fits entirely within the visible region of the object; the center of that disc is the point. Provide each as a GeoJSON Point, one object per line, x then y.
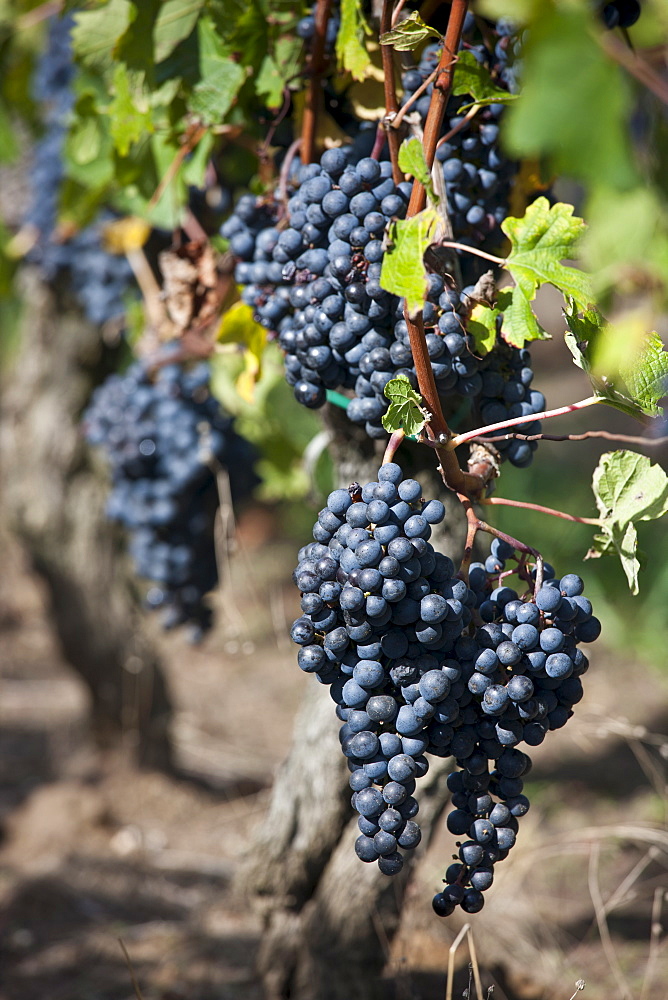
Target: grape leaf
{"type": "Point", "coordinates": [126, 234]}
{"type": "Point", "coordinates": [237, 326]}
{"type": "Point", "coordinates": [403, 272]}
{"type": "Point", "coordinates": [128, 124]}
{"type": "Point", "coordinates": [520, 325]}
{"type": "Point", "coordinates": [350, 50]}
{"type": "Point", "coordinates": [221, 80]}
{"type": "Point", "coordinates": [405, 409]}
{"type": "Point", "coordinates": [95, 32]}
{"type": "Point", "coordinates": [409, 33]}
{"type": "Point", "coordinates": [482, 326]}
{"type": "Point", "coordinates": [175, 21]}
{"type": "Point", "coordinates": [131, 47]}
{"type": "Point", "coordinates": [412, 161]}
{"type": "Point", "coordinates": [623, 543]}
{"type": "Point", "coordinates": [627, 488]}
{"type": "Point", "coordinates": [540, 241]}
{"type": "Point", "coordinates": [473, 78]}
{"type": "Point", "coordinates": [646, 376]}
{"type": "Point", "coordinates": [637, 385]}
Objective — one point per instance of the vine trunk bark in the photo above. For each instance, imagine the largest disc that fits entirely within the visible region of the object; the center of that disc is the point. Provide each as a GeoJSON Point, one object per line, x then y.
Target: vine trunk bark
{"type": "Point", "coordinates": [54, 500]}
{"type": "Point", "coordinates": [328, 919]}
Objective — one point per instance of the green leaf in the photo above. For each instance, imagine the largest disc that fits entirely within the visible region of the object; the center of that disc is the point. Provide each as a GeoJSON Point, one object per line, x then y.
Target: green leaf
{"type": "Point", "coordinates": [412, 161]}
{"type": "Point", "coordinates": [409, 33]}
{"type": "Point", "coordinates": [540, 241]}
{"type": "Point", "coordinates": [268, 83]}
{"type": "Point", "coordinates": [575, 100]}
{"type": "Point", "coordinates": [627, 488]}
{"type": "Point", "coordinates": [132, 48]}
{"type": "Point", "coordinates": [221, 77]}
{"type": "Point", "coordinates": [350, 50]}
{"type": "Point", "coordinates": [520, 325]}
{"type": "Point", "coordinates": [584, 329]}
{"type": "Point", "coordinates": [406, 409]}
{"type": "Point", "coordinates": [96, 32]}
{"type": "Point", "coordinates": [626, 544]}
{"type": "Point", "coordinates": [627, 368]}
{"type": "Point", "coordinates": [646, 376]}
{"type": "Point", "coordinates": [482, 326]}
{"type": "Point", "coordinates": [128, 124]}
{"type": "Point", "coordinates": [403, 272]}
{"type": "Point", "coordinates": [473, 78]}
{"type": "Point", "coordinates": [175, 21]}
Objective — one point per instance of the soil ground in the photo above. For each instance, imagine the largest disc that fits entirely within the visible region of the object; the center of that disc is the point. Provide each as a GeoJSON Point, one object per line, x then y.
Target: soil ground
{"type": "Point", "coordinates": [95, 853]}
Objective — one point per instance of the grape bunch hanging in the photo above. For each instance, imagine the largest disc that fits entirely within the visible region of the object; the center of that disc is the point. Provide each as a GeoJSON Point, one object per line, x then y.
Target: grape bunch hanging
{"type": "Point", "coordinates": [421, 659]}
{"type": "Point", "coordinates": [310, 258]}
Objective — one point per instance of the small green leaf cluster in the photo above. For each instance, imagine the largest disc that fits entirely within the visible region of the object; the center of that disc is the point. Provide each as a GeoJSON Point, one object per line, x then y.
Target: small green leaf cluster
{"type": "Point", "coordinates": [158, 82]}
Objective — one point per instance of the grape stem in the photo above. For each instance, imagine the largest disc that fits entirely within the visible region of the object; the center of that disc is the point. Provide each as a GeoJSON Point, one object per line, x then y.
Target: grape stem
{"type": "Point", "coordinates": [397, 11]}
{"type": "Point", "coordinates": [285, 170]}
{"type": "Point", "coordinates": [476, 524]}
{"type": "Point", "coordinates": [391, 103]}
{"type": "Point", "coordinates": [471, 113]}
{"type": "Point", "coordinates": [560, 411]}
{"type": "Point", "coordinates": [641, 442]}
{"type": "Point", "coordinates": [542, 510]}
{"type": "Point", "coordinates": [316, 67]}
{"type": "Point", "coordinates": [393, 444]}
{"type": "Point", "coordinates": [473, 250]}
{"type": "Point", "coordinates": [398, 118]}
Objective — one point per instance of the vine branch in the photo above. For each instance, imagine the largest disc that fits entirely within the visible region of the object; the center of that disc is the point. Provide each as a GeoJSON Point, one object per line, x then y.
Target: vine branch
{"type": "Point", "coordinates": [640, 442]}
{"type": "Point", "coordinates": [525, 505]}
{"type": "Point", "coordinates": [389, 85]}
{"type": "Point", "coordinates": [560, 411]}
{"type": "Point", "coordinates": [314, 92]}
{"type": "Point", "coordinates": [453, 476]}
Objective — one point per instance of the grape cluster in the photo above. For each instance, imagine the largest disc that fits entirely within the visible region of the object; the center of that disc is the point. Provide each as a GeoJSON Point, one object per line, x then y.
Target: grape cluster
{"type": "Point", "coordinates": [99, 279]}
{"type": "Point", "coordinates": [310, 258]}
{"type": "Point", "coordinates": [316, 282]}
{"type": "Point", "coordinates": [420, 661]}
{"type": "Point", "coordinates": [165, 436]}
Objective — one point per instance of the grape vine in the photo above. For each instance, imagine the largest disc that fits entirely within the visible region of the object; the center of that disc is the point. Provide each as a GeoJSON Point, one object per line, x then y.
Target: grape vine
{"type": "Point", "coordinates": [392, 255]}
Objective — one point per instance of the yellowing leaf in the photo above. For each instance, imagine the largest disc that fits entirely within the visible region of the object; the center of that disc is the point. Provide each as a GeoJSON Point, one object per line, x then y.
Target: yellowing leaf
{"type": "Point", "coordinates": [126, 234]}
{"type": "Point", "coordinates": [237, 326]}
{"type": "Point", "coordinates": [350, 50]}
{"type": "Point", "coordinates": [482, 326]}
